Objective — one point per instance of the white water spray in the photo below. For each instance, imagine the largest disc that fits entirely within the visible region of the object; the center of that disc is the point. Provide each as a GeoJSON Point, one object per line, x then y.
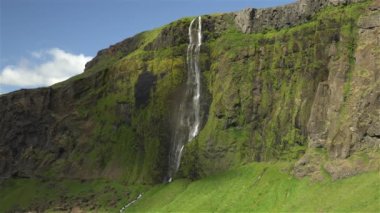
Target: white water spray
{"type": "Point", "coordinates": [188, 123]}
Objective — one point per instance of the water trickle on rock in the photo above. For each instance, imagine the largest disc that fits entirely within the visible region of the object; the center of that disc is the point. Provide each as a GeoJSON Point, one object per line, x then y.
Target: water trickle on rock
{"type": "Point", "coordinates": [188, 122]}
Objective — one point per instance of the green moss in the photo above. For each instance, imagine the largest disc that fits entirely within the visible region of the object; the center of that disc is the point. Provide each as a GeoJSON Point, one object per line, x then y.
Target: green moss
{"type": "Point", "coordinates": [262, 88]}
{"type": "Point", "coordinates": [142, 144]}
{"type": "Point", "coordinates": [131, 142]}
{"type": "Point", "coordinates": [263, 84]}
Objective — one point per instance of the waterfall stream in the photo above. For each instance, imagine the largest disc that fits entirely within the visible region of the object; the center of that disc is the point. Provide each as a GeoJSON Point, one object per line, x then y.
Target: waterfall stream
{"type": "Point", "coordinates": [130, 203]}
{"type": "Point", "coordinates": [188, 121]}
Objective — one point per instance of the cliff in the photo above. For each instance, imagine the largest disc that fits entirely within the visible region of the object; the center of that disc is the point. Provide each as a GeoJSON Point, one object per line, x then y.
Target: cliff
{"type": "Point", "coordinates": [294, 83]}
{"type": "Point", "coordinates": [345, 116]}
{"type": "Point", "coordinates": [253, 20]}
{"type": "Point", "coordinates": [311, 89]}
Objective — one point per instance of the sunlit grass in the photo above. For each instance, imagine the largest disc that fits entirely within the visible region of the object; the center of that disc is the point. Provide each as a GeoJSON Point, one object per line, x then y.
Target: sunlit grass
{"type": "Point", "coordinates": [264, 187]}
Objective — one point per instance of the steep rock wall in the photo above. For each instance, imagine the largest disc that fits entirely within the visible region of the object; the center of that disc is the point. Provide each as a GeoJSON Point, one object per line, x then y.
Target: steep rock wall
{"type": "Point", "coordinates": [267, 95]}
{"type": "Point", "coordinates": [345, 116]}
{"type": "Point", "coordinates": [253, 20]}
{"type": "Point", "coordinates": [280, 94]}
{"type": "Point", "coordinates": [112, 121]}
{"type": "Point", "coordinates": [42, 126]}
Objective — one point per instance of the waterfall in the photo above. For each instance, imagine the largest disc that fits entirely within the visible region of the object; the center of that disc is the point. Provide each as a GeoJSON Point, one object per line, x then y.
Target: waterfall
{"type": "Point", "coordinates": [194, 76]}
{"type": "Point", "coordinates": [188, 121]}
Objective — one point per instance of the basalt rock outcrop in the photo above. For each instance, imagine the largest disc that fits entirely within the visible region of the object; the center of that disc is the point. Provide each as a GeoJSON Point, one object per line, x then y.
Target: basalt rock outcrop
{"type": "Point", "coordinates": [268, 112]}
{"type": "Point", "coordinates": [253, 20]}
{"type": "Point", "coordinates": [41, 126]}
{"type": "Point", "coordinates": [345, 116]}
{"type": "Point", "coordinates": [298, 82]}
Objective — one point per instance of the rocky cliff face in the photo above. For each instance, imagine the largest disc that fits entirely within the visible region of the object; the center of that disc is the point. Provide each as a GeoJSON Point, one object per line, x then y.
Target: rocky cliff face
{"type": "Point", "coordinates": [302, 78]}
{"type": "Point", "coordinates": [285, 95]}
{"type": "Point", "coordinates": [252, 20]}
{"type": "Point", "coordinates": [41, 127]}
{"type": "Point", "coordinates": [345, 115]}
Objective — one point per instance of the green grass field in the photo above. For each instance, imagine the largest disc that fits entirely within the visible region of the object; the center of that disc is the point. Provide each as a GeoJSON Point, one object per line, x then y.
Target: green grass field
{"type": "Point", "coordinates": [24, 195]}
{"type": "Point", "coordinates": [257, 187]}
{"type": "Point", "coordinates": [264, 187]}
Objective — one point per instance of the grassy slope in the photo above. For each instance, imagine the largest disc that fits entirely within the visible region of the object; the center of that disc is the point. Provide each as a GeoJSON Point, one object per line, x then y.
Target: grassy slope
{"type": "Point", "coordinates": [263, 187]}
{"type": "Point", "coordinates": [257, 187]}
{"type": "Point", "coordinates": [21, 195]}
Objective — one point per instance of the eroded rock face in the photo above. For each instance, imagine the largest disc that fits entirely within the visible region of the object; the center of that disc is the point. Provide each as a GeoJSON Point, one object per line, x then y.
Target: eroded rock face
{"type": "Point", "coordinates": [40, 128]}
{"type": "Point", "coordinates": [145, 84]}
{"type": "Point", "coordinates": [243, 19]}
{"type": "Point", "coordinates": [35, 123]}
{"type": "Point", "coordinates": [24, 122]}
{"type": "Point", "coordinates": [174, 35]}
{"type": "Point", "coordinates": [345, 116]}
{"type": "Point", "coordinates": [121, 48]}
{"type": "Point", "coordinates": [252, 20]}
{"type": "Point", "coordinates": [103, 122]}
{"type": "Point", "coordinates": [271, 96]}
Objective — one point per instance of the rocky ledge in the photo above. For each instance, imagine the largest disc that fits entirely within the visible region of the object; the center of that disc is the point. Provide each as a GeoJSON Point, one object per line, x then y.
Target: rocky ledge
{"type": "Point", "coordinates": [253, 20]}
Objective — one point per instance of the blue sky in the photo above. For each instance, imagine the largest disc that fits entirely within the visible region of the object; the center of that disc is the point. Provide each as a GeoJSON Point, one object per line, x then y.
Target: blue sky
{"type": "Point", "coordinates": [38, 37]}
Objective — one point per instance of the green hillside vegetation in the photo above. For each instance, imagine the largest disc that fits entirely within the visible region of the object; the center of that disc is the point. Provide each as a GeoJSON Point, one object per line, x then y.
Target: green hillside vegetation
{"type": "Point", "coordinates": [113, 143]}
{"type": "Point", "coordinates": [263, 87]}
{"type": "Point", "coordinates": [259, 91]}
{"type": "Point", "coordinates": [256, 187]}
{"type": "Point", "coordinates": [263, 187]}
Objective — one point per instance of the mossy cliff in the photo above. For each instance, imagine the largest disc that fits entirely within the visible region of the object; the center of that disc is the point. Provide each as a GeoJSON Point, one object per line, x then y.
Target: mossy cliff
{"type": "Point", "coordinates": [271, 94]}
{"type": "Point", "coordinates": [311, 88]}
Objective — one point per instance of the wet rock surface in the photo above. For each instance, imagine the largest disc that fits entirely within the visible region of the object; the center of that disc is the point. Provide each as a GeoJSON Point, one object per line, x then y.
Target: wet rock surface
{"type": "Point", "coordinates": [145, 84]}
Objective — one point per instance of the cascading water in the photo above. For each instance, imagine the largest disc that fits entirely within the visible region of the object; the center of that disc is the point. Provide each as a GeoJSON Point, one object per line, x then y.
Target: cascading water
{"type": "Point", "coordinates": [188, 122]}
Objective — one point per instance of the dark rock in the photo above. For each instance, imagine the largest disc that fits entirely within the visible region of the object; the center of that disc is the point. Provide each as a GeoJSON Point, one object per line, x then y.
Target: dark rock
{"type": "Point", "coordinates": [173, 35]}
{"type": "Point", "coordinates": [345, 121]}
{"type": "Point", "coordinates": [252, 20]}
{"type": "Point", "coordinates": [231, 122]}
{"type": "Point", "coordinates": [143, 88]}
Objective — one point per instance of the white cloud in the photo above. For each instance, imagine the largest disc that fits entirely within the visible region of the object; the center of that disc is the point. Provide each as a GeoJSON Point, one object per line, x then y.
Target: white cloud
{"type": "Point", "coordinates": [56, 65]}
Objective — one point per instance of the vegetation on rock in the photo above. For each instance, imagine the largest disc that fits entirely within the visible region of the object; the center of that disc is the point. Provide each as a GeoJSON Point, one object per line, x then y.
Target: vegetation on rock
{"type": "Point", "coordinates": [307, 94]}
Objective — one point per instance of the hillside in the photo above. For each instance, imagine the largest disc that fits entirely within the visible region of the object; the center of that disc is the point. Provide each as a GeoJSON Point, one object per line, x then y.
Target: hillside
{"type": "Point", "coordinates": [297, 85]}
{"type": "Point", "coordinates": [257, 187]}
